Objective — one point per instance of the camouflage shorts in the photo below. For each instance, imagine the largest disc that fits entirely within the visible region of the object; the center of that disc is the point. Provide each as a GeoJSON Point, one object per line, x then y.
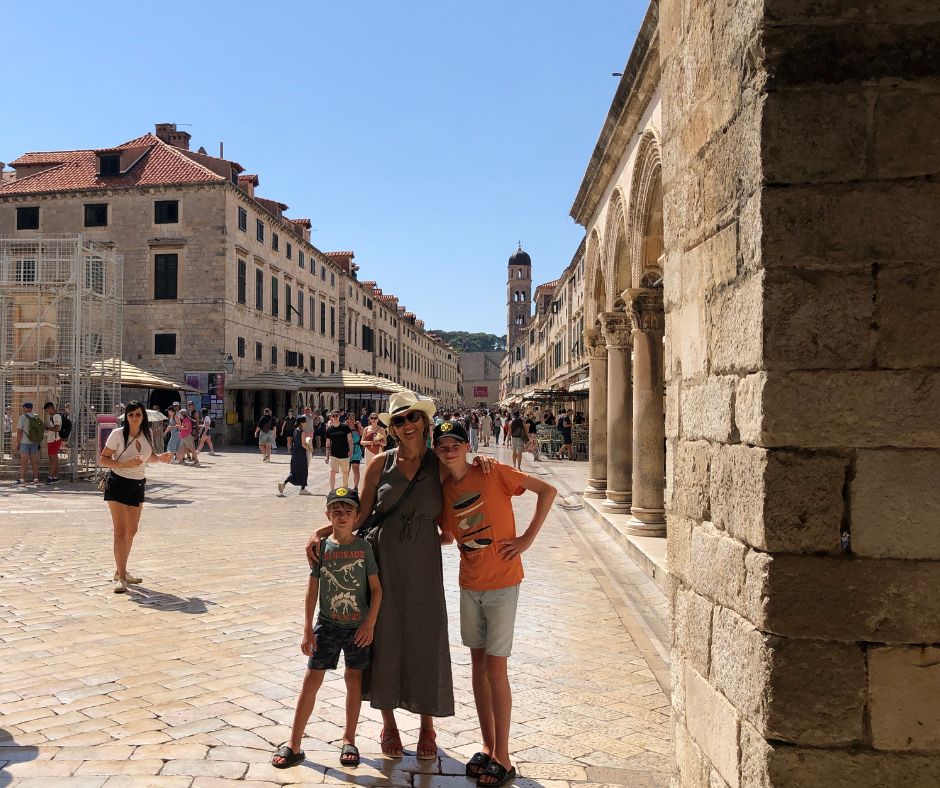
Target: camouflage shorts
{"type": "Point", "coordinates": [332, 639]}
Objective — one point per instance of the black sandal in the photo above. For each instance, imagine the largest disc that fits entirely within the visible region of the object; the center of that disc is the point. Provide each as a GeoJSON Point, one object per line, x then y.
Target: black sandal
{"type": "Point", "coordinates": [290, 758]}
{"type": "Point", "coordinates": [499, 772]}
{"type": "Point", "coordinates": [349, 755]}
{"type": "Point", "coordinates": [477, 764]}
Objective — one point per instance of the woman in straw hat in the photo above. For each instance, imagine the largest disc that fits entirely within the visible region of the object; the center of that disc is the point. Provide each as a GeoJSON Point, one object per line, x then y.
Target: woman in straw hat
{"type": "Point", "coordinates": [411, 656]}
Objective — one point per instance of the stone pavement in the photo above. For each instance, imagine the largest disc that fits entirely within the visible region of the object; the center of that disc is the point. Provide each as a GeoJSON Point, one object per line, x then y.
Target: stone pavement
{"type": "Point", "coordinates": [190, 679]}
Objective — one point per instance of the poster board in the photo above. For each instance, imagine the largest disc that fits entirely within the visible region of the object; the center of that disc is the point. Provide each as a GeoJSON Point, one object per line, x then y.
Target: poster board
{"type": "Point", "coordinates": [210, 393]}
{"type": "Point", "coordinates": [105, 424]}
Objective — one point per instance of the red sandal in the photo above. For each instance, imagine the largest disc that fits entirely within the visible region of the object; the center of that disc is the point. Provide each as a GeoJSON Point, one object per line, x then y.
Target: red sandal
{"type": "Point", "coordinates": [427, 741]}
{"type": "Point", "coordinates": [390, 742]}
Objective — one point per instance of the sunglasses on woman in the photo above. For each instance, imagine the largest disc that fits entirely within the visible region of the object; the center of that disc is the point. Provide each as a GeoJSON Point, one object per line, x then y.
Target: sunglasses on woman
{"type": "Point", "coordinates": [413, 416]}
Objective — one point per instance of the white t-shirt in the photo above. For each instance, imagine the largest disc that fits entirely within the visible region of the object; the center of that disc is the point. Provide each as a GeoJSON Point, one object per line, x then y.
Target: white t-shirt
{"type": "Point", "coordinates": [116, 441]}
{"type": "Point", "coordinates": [53, 435]}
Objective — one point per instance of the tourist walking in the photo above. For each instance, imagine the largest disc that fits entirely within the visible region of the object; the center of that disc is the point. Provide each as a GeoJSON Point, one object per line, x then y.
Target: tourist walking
{"type": "Point", "coordinates": [264, 432]}
{"type": "Point", "coordinates": [486, 427]}
{"type": "Point", "coordinates": [373, 439]}
{"type": "Point", "coordinates": [356, 458]}
{"type": "Point", "coordinates": [299, 466]}
{"type": "Point", "coordinates": [563, 425]}
{"type": "Point", "coordinates": [125, 454]}
{"type": "Point", "coordinates": [532, 431]}
{"type": "Point", "coordinates": [173, 430]}
{"type": "Point", "coordinates": [287, 427]}
{"type": "Point", "coordinates": [473, 420]}
{"type": "Point", "coordinates": [497, 428]}
{"type": "Point", "coordinates": [517, 432]}
{"type": "Point", "coordinates": [53, 423]}
{"type": "Point", "coordinates": [338, 449]}
{"type": "Point", "coordinates": [187, 442]}
{"type": "Point", "coordinates": [27, 440]}
{"type": "Point", "coordinates": [205, 433]}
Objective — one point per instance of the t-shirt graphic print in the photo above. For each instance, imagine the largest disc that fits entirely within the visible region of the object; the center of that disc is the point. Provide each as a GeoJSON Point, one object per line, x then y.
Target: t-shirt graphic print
{"type": "Point", "coordinates": [344, 571]}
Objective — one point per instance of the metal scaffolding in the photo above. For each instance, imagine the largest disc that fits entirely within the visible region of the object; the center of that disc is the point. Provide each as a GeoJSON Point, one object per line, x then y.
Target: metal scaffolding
{"type": "Point", "coordinates": [61, 312]}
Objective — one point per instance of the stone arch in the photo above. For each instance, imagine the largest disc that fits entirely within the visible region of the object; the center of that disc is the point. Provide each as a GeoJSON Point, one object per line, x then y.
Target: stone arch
{"type": "Point", "coordinates": [595, 291]}
{"type": "Point", "coordinates": [645, 221]}
{"type": "Point", "coordinates": [619, 262]}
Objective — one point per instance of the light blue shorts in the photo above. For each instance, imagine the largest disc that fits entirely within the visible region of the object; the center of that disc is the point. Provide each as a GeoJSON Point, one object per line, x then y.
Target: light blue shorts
{"type": "Point", "coordinates": [29, 448]}
{"type": "Point", "coordinates": [488, 619]}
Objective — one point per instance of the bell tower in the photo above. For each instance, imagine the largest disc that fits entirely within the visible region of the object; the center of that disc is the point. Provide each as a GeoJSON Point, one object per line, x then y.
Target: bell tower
{"type": "Point", "coordinates": [518, 294]}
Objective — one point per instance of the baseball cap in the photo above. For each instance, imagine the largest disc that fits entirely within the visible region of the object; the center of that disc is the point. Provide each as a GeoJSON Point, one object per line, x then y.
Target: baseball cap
{"type": "Point", "coordinates": [344, 494]}
{"type": "Point", "coordinates": [450, 429]}
{"type": "Point", "coordinates": [27, 404]}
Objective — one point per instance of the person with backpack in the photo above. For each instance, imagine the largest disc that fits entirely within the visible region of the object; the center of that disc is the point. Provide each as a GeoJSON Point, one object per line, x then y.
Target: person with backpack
{"type": "Point", "coordinates": [28, 439]}
{"type": "Point", "coordinates": [265, 432]}
{"type": "Point", "coordinates": [65, 431]}
{"type": "Point", "coordinates": [518, 434]}
{"type": "Point", "coordinates": [53, 441]}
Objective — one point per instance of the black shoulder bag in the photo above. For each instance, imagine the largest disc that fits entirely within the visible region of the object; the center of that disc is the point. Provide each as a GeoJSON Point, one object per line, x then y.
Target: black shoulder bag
{"type": "Point", "coordinates": [369, 530]}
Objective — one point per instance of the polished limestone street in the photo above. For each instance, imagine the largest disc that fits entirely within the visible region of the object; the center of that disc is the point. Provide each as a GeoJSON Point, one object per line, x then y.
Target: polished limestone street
{"type": "Point", "coordinates": [190, 678]}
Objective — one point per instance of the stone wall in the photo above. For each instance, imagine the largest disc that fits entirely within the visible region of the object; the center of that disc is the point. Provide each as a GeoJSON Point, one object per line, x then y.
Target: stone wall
{"type": "Point", "coordinates": [801, 205]}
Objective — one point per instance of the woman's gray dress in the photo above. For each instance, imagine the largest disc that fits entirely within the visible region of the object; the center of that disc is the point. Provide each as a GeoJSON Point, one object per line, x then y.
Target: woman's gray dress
{"type": "Point", "coordinates": [410, 652]}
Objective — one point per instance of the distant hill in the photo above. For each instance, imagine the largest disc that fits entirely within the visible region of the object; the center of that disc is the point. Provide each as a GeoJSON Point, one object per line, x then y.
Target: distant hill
{"type": "Point", "coordinates": [466, 342]}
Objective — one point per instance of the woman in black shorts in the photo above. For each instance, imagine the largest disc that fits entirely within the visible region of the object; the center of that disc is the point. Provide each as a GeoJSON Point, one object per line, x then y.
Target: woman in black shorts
{"type": "Point", "coordinates": [125, 453]}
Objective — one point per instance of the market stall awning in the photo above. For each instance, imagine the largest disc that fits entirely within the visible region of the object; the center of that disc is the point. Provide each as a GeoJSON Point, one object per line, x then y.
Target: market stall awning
{"type": "Point", "coordinates": [580, 385]}
{"type": "Point", "coordinates": [135, 377]}
{"type": "Point", "coordinates": [351, 382]}
{"type": "Point", "coordinates": [264, 381]}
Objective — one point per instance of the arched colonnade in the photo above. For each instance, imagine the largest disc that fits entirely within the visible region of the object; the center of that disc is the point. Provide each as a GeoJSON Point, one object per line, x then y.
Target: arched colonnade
{"type": "Point", "coordinates": [624, 335]}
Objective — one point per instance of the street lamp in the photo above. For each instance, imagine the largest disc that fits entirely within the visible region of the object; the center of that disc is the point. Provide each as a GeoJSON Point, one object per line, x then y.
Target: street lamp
{"type": "Point", "coordinates": [229, 365]}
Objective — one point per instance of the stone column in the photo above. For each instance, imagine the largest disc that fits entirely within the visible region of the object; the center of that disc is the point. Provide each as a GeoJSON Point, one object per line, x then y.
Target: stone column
{"type": "Point", "coordinates": [649, 429]}
{"type": "Point", "coordinates": [597, 414]}
{"type": "Point", "coordinates": [616, 328]}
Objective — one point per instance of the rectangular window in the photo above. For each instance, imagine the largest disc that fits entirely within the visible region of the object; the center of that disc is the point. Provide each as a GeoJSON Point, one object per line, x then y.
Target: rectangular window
{"type": "Point", "coordinates": [25, 271]}
{"type": "Point", "coordinates": [27, 218]}
{"type": "Point", "coordinates": [313, 313]}
{"type": "Point", "coordinates": [300, 360]}
{"type": "Point", "coordinates": [290, 358]}
{"type": "Point", "coordinates": [96, 215]}
{"type": "Point", "coordinates": [288, 299]}
{"type": "Point", "coordinates": [290, 251]}
{"type": "Point", "coordinates": [242, 219]}
{"type": "Point", "coordinates": [321, 366]}
{"type": "Point", "coordinates": [259, 230]}
{"type": "Point", "coordinates": [241, 347]}
{"type": "Point", "coordinates": [166, 212]}
{"type": "Point", "coordinates": [259, 350]}
{"type": "Point", "coordinates": [332, 279]}
{"type": "Point", "coordinates": [313, 266]}
{"type": "Point", "coordinates": [275, 242]}
{"type": "Point", "coordinates": [242, 281]}
{"type": "Point", "coordinates": [164, 344]}
{"type": "Point", "coordinates": [323, 317]}
{"type": "Point", "coordinates": [332, 321]}
{"type": "Point", "coordinates": [322, 269]}
{"type": "Point", "coordinates": [109, 165]}
{"type": "Point", "coordinates": [165, 269]}
{"type": "Point", "coordinates": [274, 355]}
{"type": "Point", "coordinates": [259, 289]}
{"type": "Point", "coordinates": [332, 367]}
{"type": "Point", "coordinates": [300, 258]}
{"type": "Point", "coordinates": [300, 309]}
{"type": "Point", "coordinates": [275, 305]}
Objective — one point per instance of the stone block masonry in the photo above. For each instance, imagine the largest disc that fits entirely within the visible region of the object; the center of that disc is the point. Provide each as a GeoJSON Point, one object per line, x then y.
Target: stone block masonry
{"type": "Point", "coordinates": [801, 206]}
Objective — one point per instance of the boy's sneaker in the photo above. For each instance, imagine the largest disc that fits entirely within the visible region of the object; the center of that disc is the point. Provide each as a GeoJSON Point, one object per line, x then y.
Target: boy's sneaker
{"type": "Point", "coordinates": [19, 482]}
{"type": "Point", "coordinates": [49, 480]}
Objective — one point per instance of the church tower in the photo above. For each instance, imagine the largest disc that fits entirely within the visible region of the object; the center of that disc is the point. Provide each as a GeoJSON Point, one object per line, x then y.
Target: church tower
{"type": "Point", "coordinates": [518, 294]}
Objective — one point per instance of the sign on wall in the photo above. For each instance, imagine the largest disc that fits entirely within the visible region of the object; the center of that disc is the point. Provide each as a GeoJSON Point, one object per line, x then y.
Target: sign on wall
{"type": "Point", "coordinates": [481, 392]}
{"type": "Point", "coordinates": [211, 386]}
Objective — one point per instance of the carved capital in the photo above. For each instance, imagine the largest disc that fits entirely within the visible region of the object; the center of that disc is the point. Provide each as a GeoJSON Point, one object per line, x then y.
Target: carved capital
{"type": "Point", "coordinates": [616, 328]}
{"type": "Point", "coordinates": [594, 344]}
{"type": "Point", "coordinates": [645, 307]}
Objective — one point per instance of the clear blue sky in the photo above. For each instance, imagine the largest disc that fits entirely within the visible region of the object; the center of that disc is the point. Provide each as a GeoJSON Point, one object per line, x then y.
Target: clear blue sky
{"type": "Point", "coordinates": [428, 137]}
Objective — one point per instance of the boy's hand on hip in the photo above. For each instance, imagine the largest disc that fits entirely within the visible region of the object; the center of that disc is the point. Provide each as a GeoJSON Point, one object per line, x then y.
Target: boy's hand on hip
{"type": "Point", "coordinates": [511, 548]}
{"type": "Point", "coordinates": [363, 635]}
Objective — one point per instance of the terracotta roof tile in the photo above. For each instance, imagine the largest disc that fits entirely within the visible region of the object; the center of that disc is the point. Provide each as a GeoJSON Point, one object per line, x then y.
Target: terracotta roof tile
{"type": "Point", "coordinates": [339, 254]}
{"type": "Point", "coordinates": [161, 164]}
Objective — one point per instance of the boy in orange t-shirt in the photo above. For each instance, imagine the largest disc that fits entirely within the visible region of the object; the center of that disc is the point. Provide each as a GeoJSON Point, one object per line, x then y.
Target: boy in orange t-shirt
{"type": "Point", "coordinates": [478, 513]}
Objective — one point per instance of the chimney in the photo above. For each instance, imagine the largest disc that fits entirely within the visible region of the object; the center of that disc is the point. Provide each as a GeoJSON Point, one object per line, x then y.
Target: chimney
{"type": "Point", "coordinates": [168, 133]}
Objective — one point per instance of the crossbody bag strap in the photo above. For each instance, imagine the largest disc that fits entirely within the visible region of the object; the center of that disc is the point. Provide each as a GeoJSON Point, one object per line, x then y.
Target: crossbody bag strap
{"type": "Point", "coordinates": [408, 489]}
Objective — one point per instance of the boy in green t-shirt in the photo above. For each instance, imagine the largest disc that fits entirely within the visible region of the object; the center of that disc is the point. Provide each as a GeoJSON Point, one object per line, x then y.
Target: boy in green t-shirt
{"type": "Point", "coordinates": [343, 581]}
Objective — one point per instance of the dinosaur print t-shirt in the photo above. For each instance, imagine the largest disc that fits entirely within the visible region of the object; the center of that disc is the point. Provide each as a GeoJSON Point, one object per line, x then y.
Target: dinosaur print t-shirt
{"type": "Point", "coordinates": [344, 571]}
{"type": "Point", "coordinates": [478, 512]}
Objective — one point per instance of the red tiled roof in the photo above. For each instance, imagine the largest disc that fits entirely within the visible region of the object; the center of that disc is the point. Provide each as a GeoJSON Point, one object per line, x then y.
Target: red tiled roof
{"type": "Point", "coordinates": [160, 165]}
{"type": "Point", "coordinates": [302, 222]}
{"type": "Point", "coordinates": [340, 254]}
{"type": "Point", "coordinates": [273, 206]}
{"type": "Point", "coordinates": [250, 178]}
{"type": "Point", "coordinates": [551, 285]}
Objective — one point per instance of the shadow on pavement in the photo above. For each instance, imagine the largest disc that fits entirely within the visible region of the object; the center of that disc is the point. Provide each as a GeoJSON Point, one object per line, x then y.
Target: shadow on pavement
{"type": "Point", "coordinates": [161, 600]}
{"type": "Point", "coordinates": [15, 753]}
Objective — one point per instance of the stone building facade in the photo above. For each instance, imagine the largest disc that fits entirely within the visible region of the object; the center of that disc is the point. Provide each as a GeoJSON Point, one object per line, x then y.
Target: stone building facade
{"type": "Point", "coordinates": [481, 377]}
{"type": "Point", "coordinates": [759, 214]}
{"type": "Point", "coordinates": [212, 269]}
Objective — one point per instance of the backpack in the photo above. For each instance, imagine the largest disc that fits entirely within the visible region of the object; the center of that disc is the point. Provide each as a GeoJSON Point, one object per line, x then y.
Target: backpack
{"type": "Point", "coordinates": [34, 428]}
{"type": "Point", "coordinates": [66, 429]}
{"type": "Point", "coordinates": [517, 428]}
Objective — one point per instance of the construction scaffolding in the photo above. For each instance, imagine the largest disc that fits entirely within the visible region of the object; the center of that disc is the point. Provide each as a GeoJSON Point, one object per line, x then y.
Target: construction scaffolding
{"type": "Point", "coordinates": [61, 312]}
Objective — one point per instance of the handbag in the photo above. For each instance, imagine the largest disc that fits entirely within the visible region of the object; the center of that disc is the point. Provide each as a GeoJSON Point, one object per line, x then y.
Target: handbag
{"type": "Point", "coordinates": [103, 481]}
{"type": "Point", "coordinates": [369, 530]}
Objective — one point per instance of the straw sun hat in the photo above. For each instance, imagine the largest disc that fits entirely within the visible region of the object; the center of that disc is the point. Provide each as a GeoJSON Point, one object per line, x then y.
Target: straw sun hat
{"type": "Point", "coordinates": [403, 401]}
